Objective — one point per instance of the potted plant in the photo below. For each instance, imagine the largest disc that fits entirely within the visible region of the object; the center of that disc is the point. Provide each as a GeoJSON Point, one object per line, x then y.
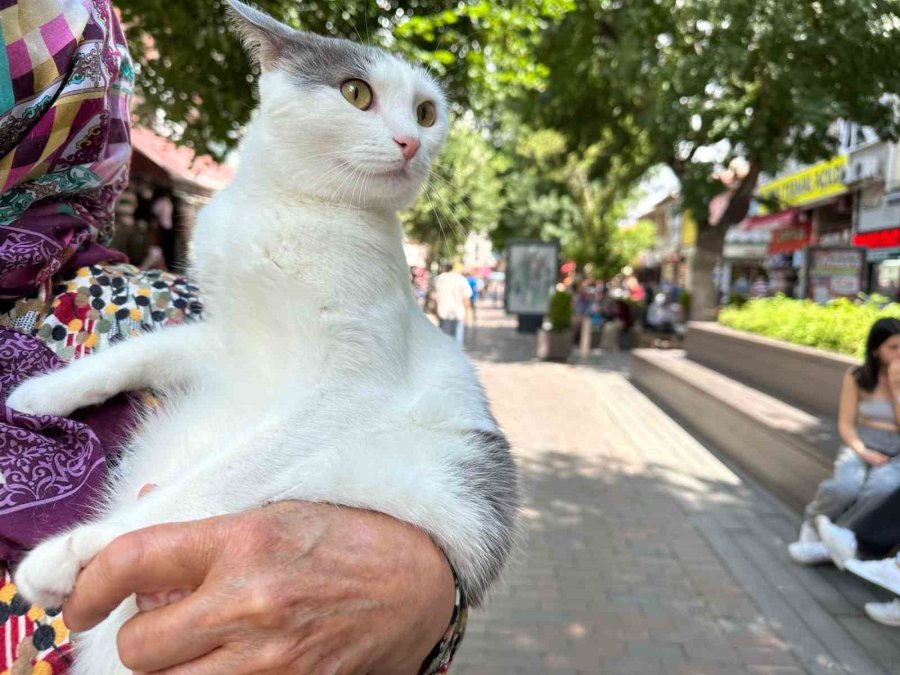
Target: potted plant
{"type": "Point", "coordinates": [554, 339]}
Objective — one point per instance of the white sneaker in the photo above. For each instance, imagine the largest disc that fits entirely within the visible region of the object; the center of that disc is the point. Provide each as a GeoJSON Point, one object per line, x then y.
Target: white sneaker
{"type": "Point", "coordinates": [885, 613]}
{"type": "Point", "coordinates": [809, 552]}
{"type": "Point", "coordinates": [808, 533]}
{"type": "Point", "coordinates": [840, 542]}
{"type": "Point", "coordinates": [884, 573]}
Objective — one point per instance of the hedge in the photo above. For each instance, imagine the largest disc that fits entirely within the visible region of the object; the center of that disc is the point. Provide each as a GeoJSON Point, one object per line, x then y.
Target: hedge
{"type": "Point", "coordinates": [839, 326]}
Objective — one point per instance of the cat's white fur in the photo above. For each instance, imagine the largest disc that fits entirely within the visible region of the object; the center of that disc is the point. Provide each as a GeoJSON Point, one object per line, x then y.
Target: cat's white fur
{"type": "Point", "coordinates": [315, 375]}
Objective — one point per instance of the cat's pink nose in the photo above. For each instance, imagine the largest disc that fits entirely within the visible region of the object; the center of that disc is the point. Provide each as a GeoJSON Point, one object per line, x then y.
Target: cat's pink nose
{"type": "Point", "coordinates": [409, 145]}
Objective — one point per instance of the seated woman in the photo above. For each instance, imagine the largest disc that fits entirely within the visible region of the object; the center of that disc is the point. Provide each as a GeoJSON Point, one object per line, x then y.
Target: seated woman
{"type": "Point", "coordinates": [866, 470]}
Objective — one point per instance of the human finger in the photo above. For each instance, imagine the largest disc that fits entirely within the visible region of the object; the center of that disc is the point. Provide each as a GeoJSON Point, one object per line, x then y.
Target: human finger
{"type": "Point", "coordinates": [158, 558]}
{"type": "Point", "coordinates": [230, 659]}
{"type": "Point", "coordinates": [176, 633]}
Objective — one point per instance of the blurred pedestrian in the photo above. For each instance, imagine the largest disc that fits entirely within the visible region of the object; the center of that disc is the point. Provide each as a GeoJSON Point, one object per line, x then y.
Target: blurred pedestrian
{"type": "Point", "coordinates": [453, 298]}
{"type": "Point", "coordinates": [760, 286]}
{"type": "Point", "coordinates": [866, 470]}
{"type": "Point", "coordinates": [472, 280]}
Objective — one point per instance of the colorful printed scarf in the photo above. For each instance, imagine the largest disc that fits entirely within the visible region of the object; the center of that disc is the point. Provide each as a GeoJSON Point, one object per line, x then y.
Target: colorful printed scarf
{"type": "Point", "coordinates": [65, 83]}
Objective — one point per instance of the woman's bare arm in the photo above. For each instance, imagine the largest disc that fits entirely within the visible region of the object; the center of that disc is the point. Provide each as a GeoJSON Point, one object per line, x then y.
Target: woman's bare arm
{"type": "Point", "coordinates": [847, 414]}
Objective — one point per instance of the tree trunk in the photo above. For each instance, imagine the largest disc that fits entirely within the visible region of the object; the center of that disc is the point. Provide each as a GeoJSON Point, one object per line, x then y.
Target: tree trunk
{"type": "Point", "coordinates": [704, 294]}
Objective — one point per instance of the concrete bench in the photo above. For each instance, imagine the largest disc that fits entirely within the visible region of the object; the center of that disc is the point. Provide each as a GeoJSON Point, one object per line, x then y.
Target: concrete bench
{"type": "Point", "coordinates": [789, 450]}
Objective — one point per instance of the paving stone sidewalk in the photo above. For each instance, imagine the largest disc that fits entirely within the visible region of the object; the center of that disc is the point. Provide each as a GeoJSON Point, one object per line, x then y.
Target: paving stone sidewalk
{"type": "Point", "coordinates": [643, 553]}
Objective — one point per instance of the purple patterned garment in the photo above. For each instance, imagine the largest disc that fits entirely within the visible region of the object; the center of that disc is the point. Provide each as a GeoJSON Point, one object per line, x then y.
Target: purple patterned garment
{"type": "Point", "coordinates": [65, 86]}
{"type": "Point", "coordinates": [50, 467]}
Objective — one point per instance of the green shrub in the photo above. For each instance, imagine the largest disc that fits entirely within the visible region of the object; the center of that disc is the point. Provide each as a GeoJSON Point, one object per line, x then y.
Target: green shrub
{"type": "Point", "coordinates": [684, 299]}
{"type": "Point", "coordinates": [560, 313]}
{"type": "Point", "coordinates": [735, 299]}
{"type": "Point", "coordinates": [839, 326]}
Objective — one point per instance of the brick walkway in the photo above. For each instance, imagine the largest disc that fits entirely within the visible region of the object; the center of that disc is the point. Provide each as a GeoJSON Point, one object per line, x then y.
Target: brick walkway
{"type": "Point", "coordinates": [644, 553]}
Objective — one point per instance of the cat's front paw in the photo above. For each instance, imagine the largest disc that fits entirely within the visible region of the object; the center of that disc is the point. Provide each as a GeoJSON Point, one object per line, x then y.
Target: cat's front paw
{"type": "Point", "coordinates": [47, 575]}
{"type": "Point", "coordinates": [57, 393]}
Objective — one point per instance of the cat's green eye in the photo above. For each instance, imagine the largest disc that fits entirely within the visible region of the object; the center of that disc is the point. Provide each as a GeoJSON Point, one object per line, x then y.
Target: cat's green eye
{"type": "Point", "coordinates": [358, 93]}
{"type": "Point", "coordinates": [426, 114]}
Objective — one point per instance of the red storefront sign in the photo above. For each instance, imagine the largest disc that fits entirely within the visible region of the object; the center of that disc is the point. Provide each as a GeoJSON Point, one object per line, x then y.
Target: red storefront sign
{"type": "Point", "coordinates": [790, 239]}
{"type": "Point", "coordinates": [771, 221]}
{"type": "Point", "coordinates": [880, 239]}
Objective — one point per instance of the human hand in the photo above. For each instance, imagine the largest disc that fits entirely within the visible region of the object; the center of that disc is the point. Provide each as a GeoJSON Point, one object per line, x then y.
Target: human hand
{"type": "Point", "coordinates": [873, 457]}
{"type": "Point", "coordinates": [893, 373]}
{"type": "Point", "coordinates": [294, 587]}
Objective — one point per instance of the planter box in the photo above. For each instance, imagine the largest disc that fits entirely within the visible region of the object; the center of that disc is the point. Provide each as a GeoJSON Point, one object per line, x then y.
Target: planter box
{"type": "Point", "coordinates": [806, 377]}
{"type": "Point", "coordinates": [554, 345]}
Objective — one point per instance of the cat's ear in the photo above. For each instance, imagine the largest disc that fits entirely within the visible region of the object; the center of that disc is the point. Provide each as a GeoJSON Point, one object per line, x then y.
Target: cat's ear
{"type": "Point", "coordinates": [263, 37]}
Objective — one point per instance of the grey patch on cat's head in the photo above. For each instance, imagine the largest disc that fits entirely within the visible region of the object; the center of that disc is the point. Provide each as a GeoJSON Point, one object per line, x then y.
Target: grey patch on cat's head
{"type": "Point", "coordinates": [492, 478]}
{"type": "Point", "coordinates": [308, 58]}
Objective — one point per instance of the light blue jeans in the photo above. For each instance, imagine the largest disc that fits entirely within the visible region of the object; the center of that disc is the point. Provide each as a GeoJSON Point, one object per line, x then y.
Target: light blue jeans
{"type": "Point", "coordinates": [856, 489]}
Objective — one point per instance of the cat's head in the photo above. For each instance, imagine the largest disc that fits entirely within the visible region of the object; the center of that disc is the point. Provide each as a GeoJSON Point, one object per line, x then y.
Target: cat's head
{"type": "Point", "coordinates": [340, 120]}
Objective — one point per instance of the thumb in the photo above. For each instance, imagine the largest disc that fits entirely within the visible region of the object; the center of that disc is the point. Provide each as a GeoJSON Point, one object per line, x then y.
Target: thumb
{"type": "Point", "coordinates": [159, 558]}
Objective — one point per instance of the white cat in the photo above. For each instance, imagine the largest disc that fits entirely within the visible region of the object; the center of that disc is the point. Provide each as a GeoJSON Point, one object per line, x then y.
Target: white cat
{"type": "Point", "coordinates": [315, 375]}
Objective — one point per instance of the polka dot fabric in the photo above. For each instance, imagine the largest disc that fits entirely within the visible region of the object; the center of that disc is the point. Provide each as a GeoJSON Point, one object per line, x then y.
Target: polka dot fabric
{"type": "Point", "coordinates": [36, 642]}
{"type": "Point", "coordinates": [94, 306]}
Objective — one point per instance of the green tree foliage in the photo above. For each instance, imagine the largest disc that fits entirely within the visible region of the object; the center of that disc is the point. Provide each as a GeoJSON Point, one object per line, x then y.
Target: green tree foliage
{"type": "Point", "coordinates": [463, 194]}
{"type": "Point", "coordinates": [554, 193]}
{"type": "Point", "coordinates": [664, 81]}
{"type": "Point", "coordinates": [194, 74]}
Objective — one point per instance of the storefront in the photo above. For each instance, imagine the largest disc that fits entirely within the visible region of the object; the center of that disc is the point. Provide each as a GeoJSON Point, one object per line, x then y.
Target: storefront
{"type": "Point", "coordinates": [878, 230]}
{"type": "Point", "coordinates": [788, 232]}
{"type": "Point", "coordinates": [745, 253]}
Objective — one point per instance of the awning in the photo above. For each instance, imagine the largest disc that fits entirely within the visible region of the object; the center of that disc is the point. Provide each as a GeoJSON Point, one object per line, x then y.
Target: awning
{"type": "Point", "coordinates": [180, 162]}
{"type": "Point", "coordinates": [771, 221]}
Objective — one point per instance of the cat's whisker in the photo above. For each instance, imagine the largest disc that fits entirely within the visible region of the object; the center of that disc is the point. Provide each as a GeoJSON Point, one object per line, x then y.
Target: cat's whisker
{"type": "Point", "coordinates": [461, 229]}
{"type": "Point", "coordinates": [341, 190]}
{"type": "Point", "coordinates": [440, 222]}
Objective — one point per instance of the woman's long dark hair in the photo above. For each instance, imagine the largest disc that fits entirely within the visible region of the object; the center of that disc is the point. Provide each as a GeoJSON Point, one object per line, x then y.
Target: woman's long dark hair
{"type": "Point", "coordinates": [866, 375]}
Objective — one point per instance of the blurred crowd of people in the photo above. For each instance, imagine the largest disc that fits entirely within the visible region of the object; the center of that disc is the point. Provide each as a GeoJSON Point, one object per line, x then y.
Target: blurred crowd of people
{"type": "Point", "coordinates": [617, 307]}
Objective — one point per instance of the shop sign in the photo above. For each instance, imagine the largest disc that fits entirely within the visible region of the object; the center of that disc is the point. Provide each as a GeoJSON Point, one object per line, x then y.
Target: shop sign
{"type": "Point", "coordinates": [877, 211]}
{"type": "Point", "coordinates": [835, 239]}
{"type": "Point", "coordinates": [834, 273]}
{"type": "Point", "coordinates": [790, 239]}
{"type": "Point", "coordinates": [880, 239]}
{"type": "Point", "coordinates": [811, 184]}
{"type": "Point", "coordinates": [741, 244]}
{"type": "Point", "coordinates": [882, 254]}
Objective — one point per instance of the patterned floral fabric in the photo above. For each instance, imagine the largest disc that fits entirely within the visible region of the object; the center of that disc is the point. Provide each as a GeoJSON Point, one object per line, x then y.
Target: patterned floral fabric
{"type": "Point", "coordinates": [52, 467]}
{"type": "Point", "coordinates": [88, 309]}
{"type": "Point", "coordinates": [441, 656]}
{"type": "Point", "coordinates": [65, 84]}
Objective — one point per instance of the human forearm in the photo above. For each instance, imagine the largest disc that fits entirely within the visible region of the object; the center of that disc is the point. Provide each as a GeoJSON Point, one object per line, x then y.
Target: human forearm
{"type": "Point", "coordinates": [851, 439]}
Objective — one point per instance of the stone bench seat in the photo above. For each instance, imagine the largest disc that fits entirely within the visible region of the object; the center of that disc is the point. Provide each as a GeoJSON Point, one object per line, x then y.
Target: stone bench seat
{"type": "Point", "coordinates": [787, 449]}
